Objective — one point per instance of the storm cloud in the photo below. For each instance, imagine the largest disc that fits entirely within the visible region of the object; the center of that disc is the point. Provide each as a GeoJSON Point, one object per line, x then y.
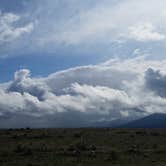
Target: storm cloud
{"type": "Point", "coordinates": [112, 90]}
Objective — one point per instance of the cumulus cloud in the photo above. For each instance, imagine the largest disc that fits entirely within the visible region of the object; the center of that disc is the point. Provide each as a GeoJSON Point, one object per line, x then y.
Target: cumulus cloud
{"type": "Point", "coordinates": [23, 83]}
{"type": "Point", "coordinates": [112, 90]}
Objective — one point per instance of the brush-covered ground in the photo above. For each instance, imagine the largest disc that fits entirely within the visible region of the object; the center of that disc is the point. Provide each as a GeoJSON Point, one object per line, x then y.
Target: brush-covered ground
{"type": "Point", "coordinates": [83, 147]}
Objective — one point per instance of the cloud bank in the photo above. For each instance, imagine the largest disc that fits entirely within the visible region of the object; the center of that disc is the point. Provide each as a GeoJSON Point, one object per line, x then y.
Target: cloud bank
{"type": "Point", "coordinates": [116, 89]}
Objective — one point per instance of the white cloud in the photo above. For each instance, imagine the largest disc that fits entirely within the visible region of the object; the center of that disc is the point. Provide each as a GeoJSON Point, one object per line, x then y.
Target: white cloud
{"type": "Point", "coordinates": [112, 90]}
{"type": "Point", "coordinates": [115, 21]}
{"type": "Point", "coordinates": [107, 26]}
{"type": "Point", "coordinates": [10, 32]}
{"type": "Point", "coordinates": [145, 33]}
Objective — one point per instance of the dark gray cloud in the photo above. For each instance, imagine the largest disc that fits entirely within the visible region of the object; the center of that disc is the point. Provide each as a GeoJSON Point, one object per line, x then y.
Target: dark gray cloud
{"type": "Point", "coordinates": [156, 82]}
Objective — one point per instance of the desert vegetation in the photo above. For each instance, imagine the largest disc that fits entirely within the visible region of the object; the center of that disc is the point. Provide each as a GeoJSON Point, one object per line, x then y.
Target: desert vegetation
{"type": "Point", "coordinates": [89, 147]}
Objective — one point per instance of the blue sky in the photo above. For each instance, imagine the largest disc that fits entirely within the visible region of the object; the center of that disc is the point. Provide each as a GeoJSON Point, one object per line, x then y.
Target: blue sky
{"type": "Point", "coordinates": [92, 59]}
{"type": "Point", "coordinates": [20, 52]}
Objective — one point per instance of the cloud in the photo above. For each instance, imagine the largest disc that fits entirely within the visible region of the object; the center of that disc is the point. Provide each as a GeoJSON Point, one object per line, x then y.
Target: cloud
{"type": "Point", "coordinates": [145, 33]}
{"type": "Point", "coordinates": [116, 89]}
{"type": "Point", "coordinates": [8, 29]}
{"type": "Point", "coordinates": [115, 21]}
{"type": "Point", "coordinates": [156, 82]}
{"type": "Point", "coordinates": [79, 25]}
{"type": "Point", "coordinates": [23, 83]}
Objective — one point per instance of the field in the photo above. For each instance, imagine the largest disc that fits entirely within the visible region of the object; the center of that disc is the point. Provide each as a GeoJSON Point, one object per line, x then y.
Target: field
{"type": "Point", "coordinates": [83, 147]}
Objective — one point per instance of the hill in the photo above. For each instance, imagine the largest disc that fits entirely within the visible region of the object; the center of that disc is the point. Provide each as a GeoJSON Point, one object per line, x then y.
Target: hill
{"type": "Point", "coordinates": [151, 121]}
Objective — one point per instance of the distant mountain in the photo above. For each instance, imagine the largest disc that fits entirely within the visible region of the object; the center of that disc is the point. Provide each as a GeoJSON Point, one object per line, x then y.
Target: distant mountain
{"type": "Point", "coordinates": [151, 121]}
{"type": "Point", "coordinates": [112, 124]}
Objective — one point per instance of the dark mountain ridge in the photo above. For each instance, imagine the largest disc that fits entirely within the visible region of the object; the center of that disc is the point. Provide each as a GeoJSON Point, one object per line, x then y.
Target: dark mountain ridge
{"type": "Point", "coordinates": [157, 120]}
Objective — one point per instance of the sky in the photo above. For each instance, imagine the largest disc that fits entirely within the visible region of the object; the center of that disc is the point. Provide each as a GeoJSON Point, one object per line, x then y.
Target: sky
{"type": "Point", "coordinates": [70, 62]}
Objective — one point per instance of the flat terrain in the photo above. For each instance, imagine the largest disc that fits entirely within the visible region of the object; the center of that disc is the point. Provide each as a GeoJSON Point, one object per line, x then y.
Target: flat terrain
{"type": "Point", "coordinates": [83, 147]}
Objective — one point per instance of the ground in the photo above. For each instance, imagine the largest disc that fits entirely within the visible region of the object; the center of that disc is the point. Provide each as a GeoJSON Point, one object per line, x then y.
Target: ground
{"type": "Point", "coordinates": [83, 147]}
